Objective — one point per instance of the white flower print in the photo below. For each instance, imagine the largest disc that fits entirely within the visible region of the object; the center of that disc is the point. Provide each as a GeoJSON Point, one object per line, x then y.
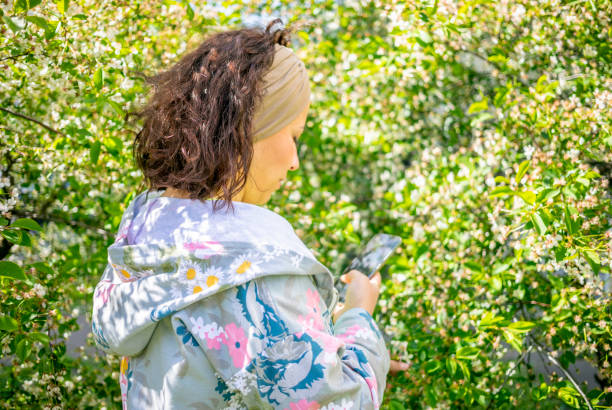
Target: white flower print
{"type": "Point", "coordinates": [244, 267]}
{"type": "Point", "coordinates": [243, 382]}
{"type": "Point", "coordinates": [343, 405]}
{"type": "Point", "coordinates": [296, 260]}
{"type": "Point", "coordinates": [191, 274]}
{"type": "Point", "coordinates": [179, 289]}
{"type": "Point", "coordinates": [212, 330]}
{"type": "Point", "coordinates": [197, 327]}
{"type": "Point", "coordinates": [212, 276]}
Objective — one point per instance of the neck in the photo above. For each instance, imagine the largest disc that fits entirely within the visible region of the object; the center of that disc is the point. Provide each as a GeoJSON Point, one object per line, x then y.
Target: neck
{"type": "Point", "coordinates": [179, 193]}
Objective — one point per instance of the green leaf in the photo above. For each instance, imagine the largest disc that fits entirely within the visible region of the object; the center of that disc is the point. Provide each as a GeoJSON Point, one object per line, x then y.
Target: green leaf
{"type": "Point", "coordinates": [27, 223]}
{"type": "Point", "coordinates": [62, 6]}
{"type": "Point", "coordinates": [21, 6]}
{"type": "Point", "coordinates": [500, 179]}
{"type": "Point", "coordinates": [527, 196]}
{"type": "Point", "coordinates": [541, 83]}
{"type": "Point", "coordinates": [489, 320]}
{"type": "Point", "coordinates": [464, 369]}
{"type": "Point", "coordinates": [451, 366]}
{"type": "Point", "coordinates": [569, 223]}
{"type": "Point", "coordinates": [4, 221]}
{"type": "Point", "coordinates": [42, 267]}
{"type": "Point", "coordinates": [115, 106]}
{"type": "Point", "coordinates": [39, 21]}
{"type": "Point", "coordinates": [8, 323]}
{"type": "Point", "coordinates": [538, 223]}
{"type": "Point", "coordinates": [12, 235]}
{"type": "Point", "coordinates": [25, 239]}
{"type": "Point", "coordinates": [395, 405]}
{"type": "Point", "coordinates": [467, 353]}
{"type": "Point", "coordinates": [189, 10]}
{"type": "Point", "coordinates": [593, 259]}
{"type": "Point", "coordinates": [24, 348]}
{"type": "Point", "coordinates": [11, 24]}
{"type": "Point", "coordinates": [94, 152]}
{"type": "Point", "coordinates": [498, 59]}
{"type": "Point", "coordinates": [432, 366]}
{"type": "Point", "coordinates": [501, 191]}
{"type": "Point", "coordinates": [522, 170]}
{"type": "Point", "coordinates": [474, 266]}
{"type": "Point", "coordinates": [98, 78]}
{"type": "Point", "coordinates": [513, 340]}
{"type": "Point", "coordinates": [39, 337]}
{"type": "Point", "coordinates": [11, 270]}
{"type": "Point", "coordinates": [479, 106]}
{"type": "Point", "coordinates": [521, 326]}
{"type": "Point", "coordinates": [570, 396]}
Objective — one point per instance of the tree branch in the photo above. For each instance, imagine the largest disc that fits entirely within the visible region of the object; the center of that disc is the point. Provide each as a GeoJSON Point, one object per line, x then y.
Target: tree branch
{"type": "Point", "coordinates": [15, 57]}
{"type": "Point", "coordinates": [74, 224]}
{"type": "Point", "coordinates": [26, 117]}
{"type": "Point", "coordinates": [563, 370]}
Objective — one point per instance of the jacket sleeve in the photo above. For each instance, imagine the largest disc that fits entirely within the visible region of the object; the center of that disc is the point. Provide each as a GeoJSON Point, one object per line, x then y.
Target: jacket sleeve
{"type": "Point", "coordinates": [272, 343]}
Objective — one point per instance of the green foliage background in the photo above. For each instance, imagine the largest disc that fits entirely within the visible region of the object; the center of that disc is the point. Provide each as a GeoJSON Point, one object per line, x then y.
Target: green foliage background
{"type": "Point", "coordinates": [479, 131]}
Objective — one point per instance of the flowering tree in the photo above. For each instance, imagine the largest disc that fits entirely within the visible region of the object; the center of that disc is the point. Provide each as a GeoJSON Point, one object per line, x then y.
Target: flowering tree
{"type": "Point", "coordinates": [478, 131]}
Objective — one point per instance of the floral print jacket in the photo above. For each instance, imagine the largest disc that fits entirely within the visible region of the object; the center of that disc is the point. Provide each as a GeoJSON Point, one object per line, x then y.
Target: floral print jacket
{"type": "Point", "coordinates": [227, 309]}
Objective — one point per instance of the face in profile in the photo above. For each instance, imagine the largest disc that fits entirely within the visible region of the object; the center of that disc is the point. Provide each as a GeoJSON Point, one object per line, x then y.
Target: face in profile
{"type": "Point", "coordinates": [273, 158]}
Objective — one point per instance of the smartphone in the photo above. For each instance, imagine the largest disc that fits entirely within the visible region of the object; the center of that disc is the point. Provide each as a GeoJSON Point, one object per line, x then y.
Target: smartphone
{"type": "Point", "coordinates": [371, 258]}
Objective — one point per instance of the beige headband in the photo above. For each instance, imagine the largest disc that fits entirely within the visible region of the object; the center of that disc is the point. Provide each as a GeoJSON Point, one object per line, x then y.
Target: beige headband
{"type": "Point", "coordinates": [286, 93]}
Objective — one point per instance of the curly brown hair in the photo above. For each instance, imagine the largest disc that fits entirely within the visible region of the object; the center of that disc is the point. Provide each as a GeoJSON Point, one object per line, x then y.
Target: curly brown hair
{"type": "Point", "coordinates": [196, 135]}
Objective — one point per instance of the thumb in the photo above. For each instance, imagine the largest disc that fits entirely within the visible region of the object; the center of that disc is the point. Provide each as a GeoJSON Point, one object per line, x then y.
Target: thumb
{"type": "Point", "coordinates": [347, 277]}
{"type": "Point", "coordinates": [376, 280]}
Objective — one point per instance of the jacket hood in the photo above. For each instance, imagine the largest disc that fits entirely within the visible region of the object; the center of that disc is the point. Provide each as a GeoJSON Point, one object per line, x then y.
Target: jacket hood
{"type": "Point", "coordinates": [172, 252]}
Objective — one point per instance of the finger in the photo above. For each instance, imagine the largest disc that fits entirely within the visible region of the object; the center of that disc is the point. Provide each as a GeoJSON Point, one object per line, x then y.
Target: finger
{"type": "Point", "coordinates": [397, 366]}
{"type": "Point", "coordinates": [346, 278]}
{"type": "Point", "coordinates": [376, 280]}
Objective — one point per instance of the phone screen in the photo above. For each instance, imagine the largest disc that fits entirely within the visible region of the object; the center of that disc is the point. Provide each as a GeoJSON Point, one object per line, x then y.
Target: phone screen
{"type": "Point", "coordinates": [371, 258]}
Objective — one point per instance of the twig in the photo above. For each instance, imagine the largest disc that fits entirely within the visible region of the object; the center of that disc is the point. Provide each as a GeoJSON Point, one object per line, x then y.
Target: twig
{"type": "Point", "coordinates": [51, 218]}
{"type": "Point", "coordinates": [26, 117]}
{"type": "Point", "coordinates": [15, 57]}
{"type": "Point", "coordinates": [565, 372]}
{"type": "Point", "coordinates": [509, 373]}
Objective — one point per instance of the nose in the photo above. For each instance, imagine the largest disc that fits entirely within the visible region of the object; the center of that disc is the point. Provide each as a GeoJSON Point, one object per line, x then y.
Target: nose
{"type": "Point", "coordinates": [295, 161]}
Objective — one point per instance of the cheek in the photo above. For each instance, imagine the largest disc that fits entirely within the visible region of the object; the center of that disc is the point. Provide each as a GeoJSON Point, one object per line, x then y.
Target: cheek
{"type": "Point", "coordinates": [281, 155]}
{"type": "Point", "coordinates": [271, 164]}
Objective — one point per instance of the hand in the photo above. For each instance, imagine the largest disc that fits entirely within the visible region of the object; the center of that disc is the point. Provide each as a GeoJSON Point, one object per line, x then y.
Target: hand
{"type": "Point", "coordinates": [397, 366]}
{"type": "Point", "coordinates": [361, 292]}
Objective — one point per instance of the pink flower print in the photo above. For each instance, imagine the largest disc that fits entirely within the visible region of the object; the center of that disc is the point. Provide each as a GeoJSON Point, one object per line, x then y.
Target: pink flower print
{"type": "Point", "coordinates": [205, 249]}
{"type": "Point", "coordinates": [349, 335]}
{"type": "Point", "coordinates": [103, 292]}
{"type": "Point", "coordinates": [214, 336]}
{"type": "Point", "coordinates": [236, 342]}
{"type": "Point", "coordinates": [312, 299]}
{"type": "Point", "coordinates": [211, 332]}
{"type": "Point", "coordinates": [122, 234]}
{"type": "Point", "coordinates": [371, 382]}
{"type": "Point", "coordinates": [314, 319]}
{"type": "Point", "coordinates": [304, 405]}
{"type": "Point", "coordinates": [330, 344]}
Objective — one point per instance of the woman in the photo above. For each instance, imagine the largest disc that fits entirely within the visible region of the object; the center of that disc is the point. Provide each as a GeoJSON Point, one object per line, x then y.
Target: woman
{"type": "Point", "coordinates": [211, 308]}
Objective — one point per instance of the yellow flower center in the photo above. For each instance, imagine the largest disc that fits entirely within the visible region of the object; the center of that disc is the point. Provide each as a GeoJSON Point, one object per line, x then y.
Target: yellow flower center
{"type": "Point", "coordinates": [124, 365]}
{"type": "Point", "coordinates": [243, 267]}
{"type": "Point", "coordinates": [197, 289]}
{"type": "Point", "coordinates": [191, 273]}
{"type": "Point", "coordinates": [211, 280]}
{"type": "Point", "coordinates": [125, 273]}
